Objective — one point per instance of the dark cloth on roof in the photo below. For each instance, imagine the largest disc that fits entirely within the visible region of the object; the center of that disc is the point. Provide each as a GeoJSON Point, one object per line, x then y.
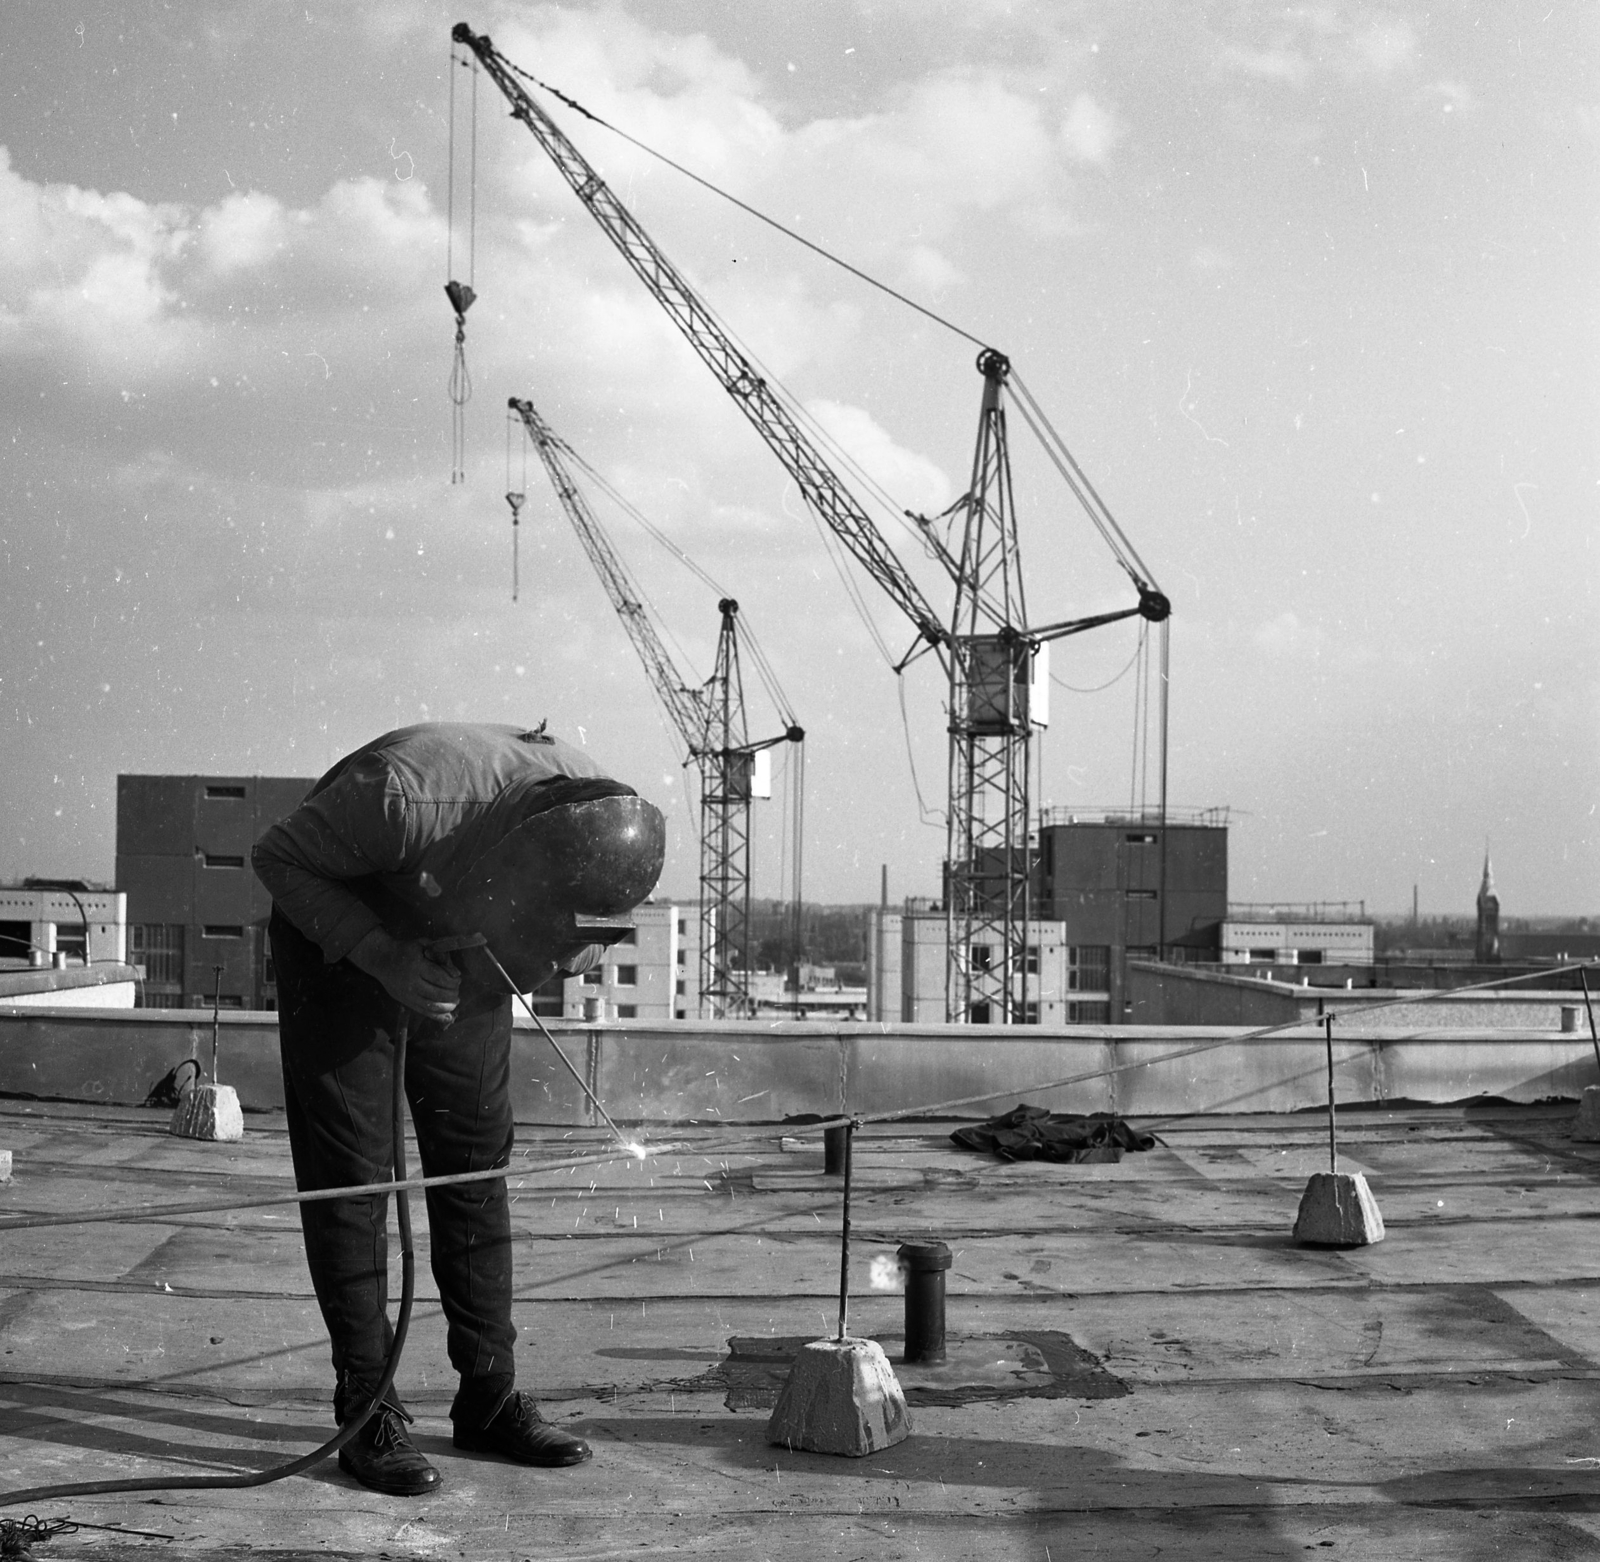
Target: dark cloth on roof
{"type": "Point", "coordinates": [1033, 1133]}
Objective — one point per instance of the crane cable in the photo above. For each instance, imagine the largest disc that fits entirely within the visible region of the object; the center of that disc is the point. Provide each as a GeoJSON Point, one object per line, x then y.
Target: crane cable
{"type": "Point", "coordinates": [516, 497]}
{"type": "Point", "coordinates": [764, 670]}
{"type": "Point", "coordinates": [461, 294]}
{"type": "Point", "coordinates": [1033, 413]}
{"type": "Point", "coordinates": [760, 216]}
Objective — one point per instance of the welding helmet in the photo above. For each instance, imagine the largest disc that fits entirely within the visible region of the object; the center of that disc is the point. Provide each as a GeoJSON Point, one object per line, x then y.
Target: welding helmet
{"type": "Point", "coordinates": [544, 891]}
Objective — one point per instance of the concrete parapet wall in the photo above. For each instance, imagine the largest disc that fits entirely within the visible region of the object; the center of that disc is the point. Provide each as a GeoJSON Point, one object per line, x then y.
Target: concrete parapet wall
{"type": "Point", "coordinates": [665, 1072]}
{"type": "Point", "coordinates": [107, 984]}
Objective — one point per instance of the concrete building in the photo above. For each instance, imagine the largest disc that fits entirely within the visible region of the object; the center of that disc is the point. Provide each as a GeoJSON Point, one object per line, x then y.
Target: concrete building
{"type": "Point", "coordinates": [1130, 884]}
{"type": "Point", "coordinates": [1315, 933]}
{"type": "Point", "coordinates": [908, 955]}
{"type": "Point", "coordinates": [183, 862]}
{"type": "Point", "coordinates": [654, 974]}
{"type": "Point", "coordinates": [61, 922]}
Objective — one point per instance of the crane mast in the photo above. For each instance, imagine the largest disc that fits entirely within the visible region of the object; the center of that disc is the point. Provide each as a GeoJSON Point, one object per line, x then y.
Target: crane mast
{"type": "Point", "coordinates": [710, 721]}
{"type": "Point", "coordinates": [994, 662]}
{"type": "Point", "coordinates": [991, 720]}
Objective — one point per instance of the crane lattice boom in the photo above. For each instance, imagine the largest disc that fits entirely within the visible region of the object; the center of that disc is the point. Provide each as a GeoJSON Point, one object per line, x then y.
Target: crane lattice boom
{"type": "Point", "coordinates": [818, 483]}
{"type": "Point", "coordinates": [709, 718]}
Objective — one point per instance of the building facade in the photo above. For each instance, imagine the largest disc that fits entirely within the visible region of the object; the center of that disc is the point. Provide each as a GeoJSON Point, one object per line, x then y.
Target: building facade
{"type": "Point", "coordinates": [1319, 933]}
{"type": "Point", "coordinates": [908, 987]}
{"type": "Point", "coordinates": [197, 915]}
{"type": "Point", "coordinates": [61, 923]}
{"type": "Point", "coordinates": [1131, 884]}
{"type": "Point", "coordinates": [654, 974]}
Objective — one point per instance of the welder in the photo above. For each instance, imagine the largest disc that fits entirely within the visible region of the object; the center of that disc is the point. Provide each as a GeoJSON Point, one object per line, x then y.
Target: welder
{"type": "Point", "coordinates": [429, 839]}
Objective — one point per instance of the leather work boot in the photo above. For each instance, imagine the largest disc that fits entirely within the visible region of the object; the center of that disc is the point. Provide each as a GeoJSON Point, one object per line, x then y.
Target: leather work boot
{"type": "Point", "coordinates": [382, 1456]}
{"type": "Point", "coordinates": [518, 1432]}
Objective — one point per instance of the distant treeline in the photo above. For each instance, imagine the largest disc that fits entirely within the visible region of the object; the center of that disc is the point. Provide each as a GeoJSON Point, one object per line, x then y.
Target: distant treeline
{"type": "Point", "coordinates": [828, 935]}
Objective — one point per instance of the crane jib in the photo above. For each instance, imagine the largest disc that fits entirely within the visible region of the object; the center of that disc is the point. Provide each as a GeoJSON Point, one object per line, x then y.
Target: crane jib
{"type": "Point", "coordinates": [819, 485]}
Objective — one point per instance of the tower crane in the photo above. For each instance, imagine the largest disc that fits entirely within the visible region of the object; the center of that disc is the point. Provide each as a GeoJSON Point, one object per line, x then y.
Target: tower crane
{"type": "Point", "coordinates": [709, 718]}
{"type": "Point", "coordinates": [995, 661]}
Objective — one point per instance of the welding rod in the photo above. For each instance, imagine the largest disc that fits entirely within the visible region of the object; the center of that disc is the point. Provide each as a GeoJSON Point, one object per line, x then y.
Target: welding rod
{"type": "Point", "coordinates": [594, 1101]}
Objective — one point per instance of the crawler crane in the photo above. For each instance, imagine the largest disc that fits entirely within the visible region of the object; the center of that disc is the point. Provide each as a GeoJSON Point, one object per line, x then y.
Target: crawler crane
{"type": "Point", "coordinates": [709, 718]}
{"type": "Point", "coordinates": [994, 659]}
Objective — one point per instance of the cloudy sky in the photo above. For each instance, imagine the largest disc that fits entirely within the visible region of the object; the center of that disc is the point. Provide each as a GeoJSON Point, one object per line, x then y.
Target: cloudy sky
{"type": "Point", "coordinates": [1309, 290]}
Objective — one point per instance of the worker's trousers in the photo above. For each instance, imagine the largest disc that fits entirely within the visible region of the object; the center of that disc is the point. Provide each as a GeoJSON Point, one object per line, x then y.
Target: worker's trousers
{"type": "Point", "coordinates": [336, 1030]}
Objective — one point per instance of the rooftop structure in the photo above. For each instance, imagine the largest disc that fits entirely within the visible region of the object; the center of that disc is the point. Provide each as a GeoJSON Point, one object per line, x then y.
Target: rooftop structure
{"type": "Point", "coordinates": [61, 922]}
{"type": "Point", "coordinates": [194, 905]}
{"type": "Point", "coordinates": [1140, 1362]}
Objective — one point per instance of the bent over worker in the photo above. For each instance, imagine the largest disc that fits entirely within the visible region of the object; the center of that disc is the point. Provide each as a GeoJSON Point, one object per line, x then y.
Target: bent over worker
{"type": "Point", "coordinates": [434, 829]}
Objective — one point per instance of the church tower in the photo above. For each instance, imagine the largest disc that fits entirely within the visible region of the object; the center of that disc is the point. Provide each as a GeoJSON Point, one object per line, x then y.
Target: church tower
{"type": "Point", "coordinates": [1487, 949]}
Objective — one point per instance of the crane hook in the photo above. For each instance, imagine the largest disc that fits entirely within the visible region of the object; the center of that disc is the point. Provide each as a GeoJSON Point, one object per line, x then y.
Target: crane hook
{"type": "Point", "coordinates": [516, 502]}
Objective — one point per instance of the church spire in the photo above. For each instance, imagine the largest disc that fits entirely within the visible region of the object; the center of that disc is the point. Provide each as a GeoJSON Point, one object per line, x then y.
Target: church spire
{"type": "Point", "coordinates": [1486, 949]}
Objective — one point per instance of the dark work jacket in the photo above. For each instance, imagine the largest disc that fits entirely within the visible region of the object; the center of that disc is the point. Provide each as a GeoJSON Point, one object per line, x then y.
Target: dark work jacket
{"type": "Point", "coordinates": [422, 804]}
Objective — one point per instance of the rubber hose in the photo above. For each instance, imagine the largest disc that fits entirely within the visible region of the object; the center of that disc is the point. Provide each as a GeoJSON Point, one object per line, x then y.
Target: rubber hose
{"type": "Point", "coordinates": [408, 1277]}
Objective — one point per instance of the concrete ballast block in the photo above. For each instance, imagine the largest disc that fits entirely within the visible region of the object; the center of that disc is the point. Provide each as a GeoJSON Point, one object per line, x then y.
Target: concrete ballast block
{"type": "Point", "coordinates": [1588, 1123]}
{"type": "Point", "coordinates": [1338, 1210]}
{"type": "Point", "coordinates": [841, 1397]}
{"type": "Point", "coordinates": [209, 1112]}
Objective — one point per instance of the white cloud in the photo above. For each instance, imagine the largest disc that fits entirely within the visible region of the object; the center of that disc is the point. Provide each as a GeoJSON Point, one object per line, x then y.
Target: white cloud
{"type": "Point", "coordinates": [1454, 97]}
{"type": "Point", "coordinates": [1311, 38]}
{"type": "Point", "coordinates": [242, 232]}
{"type": "Point", "coordinates": [1273, 64]}
{"type": "Point", "coordinates": [1384, 46]}
{"type": "Point", "coordinates": [911, 480]}
{"type": "Point", "coordinates": [1286, 636]}
{"type": "Point", "coordinates": [1089, 131]}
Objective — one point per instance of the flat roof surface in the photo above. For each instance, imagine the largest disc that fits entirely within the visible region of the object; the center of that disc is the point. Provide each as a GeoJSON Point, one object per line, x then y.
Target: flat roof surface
{"type": "Point", "coordinates": [1141, 1362]}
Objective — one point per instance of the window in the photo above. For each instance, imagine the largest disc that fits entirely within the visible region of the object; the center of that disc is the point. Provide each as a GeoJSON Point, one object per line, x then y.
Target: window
{"type": "Point", "coordinates": [1030, 1012]}
{"type": "Point", "coordinates": [16, 939]}
{"type": "Point", "coordinates": [683, 927]}
{"type": "Point", "coordinates": [1088, 1014]}
{"type": "Point", "coordinates": [682, 957]}
{"type": "Point", "coordinates": [590, 978]}
{"type": "Point", "coordinates": [158, 947]}
{"type": "Point", "coordinates": [679, 1014]}
{"type": "Point", "coordinates": [626, 976]}
{"type": "Point", "coordinates": [980, 1014]}
{"type": "Point", "coordinates": [1263, 956]}
{"type": "Point", "coordinates": [1140, 839]}
{"type": "Point", "coordinates": [982, 959]}
{"type": "Point", "coordinates": [217, 860]}
{"type": "Point", "coordinates": [680, 987]}
{"type": "Point", "coordinates": [1088, 968]}
{"type": "Point", "coordinates": [627, 1011]}
{"type": "Point", "coordinates": [1030, 961]}
{"type": "Point", "coordinates": [630, 937]}
{"type": "Point", "coordinates": [222, 930]}
{"type": "Point", "coordinates": [1310, 957]}
{"type": "Point", "coordinates": [224, 791]}
{"type": "Point", "coordinates": [72, 942]}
